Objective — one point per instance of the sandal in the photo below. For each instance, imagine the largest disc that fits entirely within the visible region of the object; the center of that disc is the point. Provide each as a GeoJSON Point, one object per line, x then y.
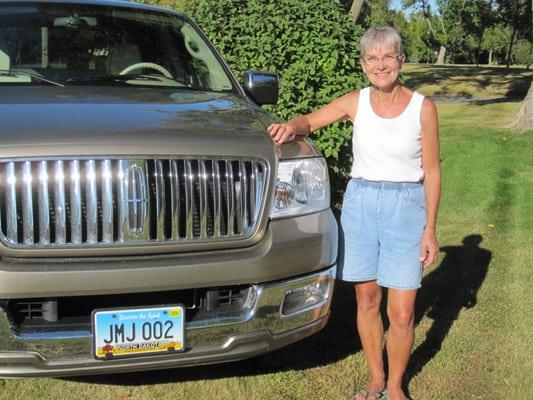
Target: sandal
{"type": "Point", "coordinates": [371, 394]}
{"type": "Point", "coordinates": [385, 396]}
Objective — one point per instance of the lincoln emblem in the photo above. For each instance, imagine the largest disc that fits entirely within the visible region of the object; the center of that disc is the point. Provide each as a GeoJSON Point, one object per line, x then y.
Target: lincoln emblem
{"type": "Point", "coordinates": [136, 198]}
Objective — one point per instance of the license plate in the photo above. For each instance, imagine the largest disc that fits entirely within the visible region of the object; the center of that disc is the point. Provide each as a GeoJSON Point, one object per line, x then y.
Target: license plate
{"type": "Point", "coordinates": [138, 331]}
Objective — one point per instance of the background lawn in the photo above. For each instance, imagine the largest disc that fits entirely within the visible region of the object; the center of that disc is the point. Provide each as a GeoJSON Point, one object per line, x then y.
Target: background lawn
{"type": "Point", "coordinates": [468, 81]}
{"type": "Point", "coordinates": [473, 312]}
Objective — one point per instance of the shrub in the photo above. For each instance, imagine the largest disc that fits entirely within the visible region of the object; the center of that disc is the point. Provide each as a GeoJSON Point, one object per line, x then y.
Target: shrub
{"type": "Point", "coordinates": [311, 44]}
{"type": "Point", "coordinates": [523, 53]}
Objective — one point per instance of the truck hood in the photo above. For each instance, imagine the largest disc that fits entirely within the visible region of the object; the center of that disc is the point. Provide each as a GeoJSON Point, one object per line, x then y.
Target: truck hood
{"type": "Point", "coordinates": [89, 121]}
{"type": "Point", "coordinates": [78, 121]}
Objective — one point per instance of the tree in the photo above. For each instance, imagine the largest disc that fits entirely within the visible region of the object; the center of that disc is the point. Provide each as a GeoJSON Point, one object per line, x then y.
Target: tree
{"type": "Point", "coordinates": [424, 7]}
{"type": "Point", "coordinates": [495, 40]}
{"type": "Point", "coordinates": [516, 14]}
{"type": "Point", "coordinates": [355, 9]}
{"type": "Point", "coordinates": [523, 120]}
{"type": "Point", "coordinates": [523, 53]}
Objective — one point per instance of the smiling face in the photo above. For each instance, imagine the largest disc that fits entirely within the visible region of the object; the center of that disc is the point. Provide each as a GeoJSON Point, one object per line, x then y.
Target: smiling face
{"type": "Point", "coordinates": [382, 67]}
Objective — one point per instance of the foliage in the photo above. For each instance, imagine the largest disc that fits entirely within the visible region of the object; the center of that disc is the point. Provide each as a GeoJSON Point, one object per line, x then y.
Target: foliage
{"type": "Point", "coordinates": [460, 27]}
{"type": "Point", "coordinates": [418, 41]}
{"type": "Point", "coordinates": [523, 53]}
{"type": "Point", "coordinates": [312, 46]}
{"type": "Point", "coordinates": [174, 4]}
{"type": "Point", "coordinates": [496, 38]}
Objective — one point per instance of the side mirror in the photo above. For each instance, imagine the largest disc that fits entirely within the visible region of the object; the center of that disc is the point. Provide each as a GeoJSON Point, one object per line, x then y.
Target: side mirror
{"type": "Point", "coordinates": [262, 87]}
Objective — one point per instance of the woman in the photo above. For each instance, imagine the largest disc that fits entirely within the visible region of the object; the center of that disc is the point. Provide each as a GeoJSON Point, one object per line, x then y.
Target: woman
{"type": "Point", "coordinates": [390, 206]}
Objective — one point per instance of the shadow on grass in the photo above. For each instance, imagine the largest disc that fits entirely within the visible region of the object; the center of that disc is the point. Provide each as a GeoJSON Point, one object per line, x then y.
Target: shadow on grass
{"type": "Point", "coordinates": [452, 287]}
{"type": "Point", "coordinates": [442, 75]}
{"type": "Point", "coordinates": [518, 88]}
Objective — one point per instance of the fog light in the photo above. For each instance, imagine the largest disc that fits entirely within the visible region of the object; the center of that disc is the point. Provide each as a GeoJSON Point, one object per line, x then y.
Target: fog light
{"type": "Point", "coordinates": [305, 298]}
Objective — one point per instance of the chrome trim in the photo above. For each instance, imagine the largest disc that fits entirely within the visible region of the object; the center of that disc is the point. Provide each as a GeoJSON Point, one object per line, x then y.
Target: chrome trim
{"type": "Point", "coordinates": [208, 340]}
{"type": "Point", "coordinates": [72, 203]}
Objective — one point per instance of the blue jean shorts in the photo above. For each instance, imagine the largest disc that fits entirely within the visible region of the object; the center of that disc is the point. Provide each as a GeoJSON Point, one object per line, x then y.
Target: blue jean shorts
{"type": "Point", "coordinates": [381, 233]}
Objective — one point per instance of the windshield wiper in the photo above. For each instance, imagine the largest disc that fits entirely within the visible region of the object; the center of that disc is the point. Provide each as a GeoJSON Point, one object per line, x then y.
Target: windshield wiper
{"type": "Point", "coordinates": [161, 81]}
{"type": "Point", "coordinates": [122, 78]}
{"type": "Point", "coordinates": [98, 78]}
{"type": "Point", "coordinates": [16, 72]}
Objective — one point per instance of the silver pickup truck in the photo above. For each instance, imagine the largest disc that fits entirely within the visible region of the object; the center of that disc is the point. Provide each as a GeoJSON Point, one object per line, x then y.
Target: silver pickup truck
{"type": "Point", "coordinates": [147, 220]}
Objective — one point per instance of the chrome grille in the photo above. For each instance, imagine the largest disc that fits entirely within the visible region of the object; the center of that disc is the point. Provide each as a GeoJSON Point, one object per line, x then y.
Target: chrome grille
{"type": "Point", "coordinates": [56, 203]}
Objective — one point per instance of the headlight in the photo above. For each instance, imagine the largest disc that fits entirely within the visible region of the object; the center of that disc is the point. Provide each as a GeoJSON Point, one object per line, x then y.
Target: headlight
{"type": "Point", "coordinates": [302, 187]}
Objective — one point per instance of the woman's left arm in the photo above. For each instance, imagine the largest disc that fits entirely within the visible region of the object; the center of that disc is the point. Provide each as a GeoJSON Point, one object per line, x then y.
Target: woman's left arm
{"type": "Point", "coordinates": [431, 166]}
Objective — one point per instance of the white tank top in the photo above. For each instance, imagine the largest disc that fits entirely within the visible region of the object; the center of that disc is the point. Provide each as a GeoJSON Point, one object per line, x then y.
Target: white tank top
{"type": "Point", "coordinates": [387, 149]}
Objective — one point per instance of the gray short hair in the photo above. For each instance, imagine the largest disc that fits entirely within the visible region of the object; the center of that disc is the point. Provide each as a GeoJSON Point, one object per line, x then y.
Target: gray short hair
{"type": "Point", "coordinates": [379, 37]}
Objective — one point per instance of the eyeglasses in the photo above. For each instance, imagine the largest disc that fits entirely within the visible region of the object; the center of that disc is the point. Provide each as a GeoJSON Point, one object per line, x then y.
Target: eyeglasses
{"type": "Point", "coordinates": [387, 59]}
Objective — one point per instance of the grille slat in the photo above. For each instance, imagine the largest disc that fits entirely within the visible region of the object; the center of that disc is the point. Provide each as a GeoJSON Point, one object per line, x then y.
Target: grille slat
{"type": "Point", "coordinates": [91, 202]}
{"type": "Point", "coordinates": [244, 196]}
{"type": "Point", "coordinates": [217, 199]}
{"type": "Point", "coordinates": [122, 207]}
{"type": "Point", "coordinates": [202, 178]}
{"type": "Point", "coordinates": [27, 203]}
{"type": "Point", "coordinates": [159, 186]}
{"type": "Point", "coordinates": [79, 203]}
{"type": "Point", "coordinates": [189, 200]}
{"type": "Point", "coordinates": [230, 185]}
{"type": "Point", "coordinates": [44, 204]}
{"type": "Point", "coordinates": [59, 204]}
{"type": "Point", "coordinates": [174, 200]}
{"type": "Point", "coordinates": [75, 203]}
{"type": "Point", "coordinates": [253, 188]}
{"type": "Point", "coordinates": [11, 201]}
{"type": "Point", "coordinates": [107, 202]}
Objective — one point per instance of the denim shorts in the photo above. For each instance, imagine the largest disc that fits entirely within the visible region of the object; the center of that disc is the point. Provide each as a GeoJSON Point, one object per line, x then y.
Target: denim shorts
{"type": "Point", "coordinates": [381, 233]}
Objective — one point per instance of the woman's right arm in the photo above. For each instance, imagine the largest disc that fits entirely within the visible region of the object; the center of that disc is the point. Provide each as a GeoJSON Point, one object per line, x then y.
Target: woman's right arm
{"type": "Point", "coordinates": [341, 108]}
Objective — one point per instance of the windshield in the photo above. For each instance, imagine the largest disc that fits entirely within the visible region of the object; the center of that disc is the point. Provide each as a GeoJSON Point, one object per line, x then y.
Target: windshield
{"type": "Point", "coordinates": [78, 44]}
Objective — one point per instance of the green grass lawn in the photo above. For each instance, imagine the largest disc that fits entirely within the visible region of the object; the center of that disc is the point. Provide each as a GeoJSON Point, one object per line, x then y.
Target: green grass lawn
{"type": "Point", "coordinates": [474, 310]}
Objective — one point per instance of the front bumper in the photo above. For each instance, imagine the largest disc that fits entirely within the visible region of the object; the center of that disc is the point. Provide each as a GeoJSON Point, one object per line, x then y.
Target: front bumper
{"type": "Point", "coordinates": [260, 328]}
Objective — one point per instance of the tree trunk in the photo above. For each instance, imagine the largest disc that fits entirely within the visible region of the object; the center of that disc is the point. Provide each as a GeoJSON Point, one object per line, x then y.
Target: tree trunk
{"type": "Point", "coordinates": [355, 10]}
{"type": "Point", "coordinates": [441, 58]}
{"type": "Point", "coordinates": [523, 120]}
{"type": "Point", "coordinates": [510, 49]}
{"type": "Point", "coordinates": [490, 57]}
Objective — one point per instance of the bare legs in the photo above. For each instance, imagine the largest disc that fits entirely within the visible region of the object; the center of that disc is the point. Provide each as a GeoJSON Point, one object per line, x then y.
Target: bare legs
{"type": "Point", "coordinates": [400, 310]}
{"type": "Point", "coordinates": [370, 328]}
